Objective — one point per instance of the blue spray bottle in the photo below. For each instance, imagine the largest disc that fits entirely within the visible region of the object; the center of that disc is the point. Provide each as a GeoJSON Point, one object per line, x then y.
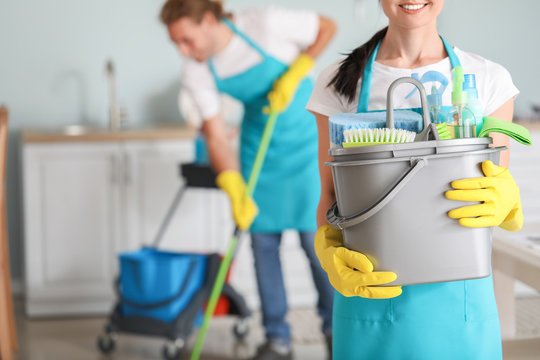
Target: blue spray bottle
{"type": "Point", "coordinates": [473, 103]}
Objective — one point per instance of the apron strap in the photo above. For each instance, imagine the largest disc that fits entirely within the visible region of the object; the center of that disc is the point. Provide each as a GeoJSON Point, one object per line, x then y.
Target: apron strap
{"type": "Point", "coordinates": [366, 81]}
{"type": "Point", "coordinates": [454, 61]}
{"type": "Point", "coordinates": [363, 99]}
{"type": "Point", "coordinates": [244, 37]}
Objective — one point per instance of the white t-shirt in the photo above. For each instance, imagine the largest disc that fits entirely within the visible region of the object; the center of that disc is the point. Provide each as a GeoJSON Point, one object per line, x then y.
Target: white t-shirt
{"type": "Point", "coordinates": [281, 33]}
{"type": "Point", "coordinates": [493, 82]}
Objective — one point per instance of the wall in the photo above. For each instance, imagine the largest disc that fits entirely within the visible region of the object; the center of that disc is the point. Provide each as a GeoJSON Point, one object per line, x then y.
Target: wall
{"type": "Point", "coordinates": [503, 33]}
{"type": "Point", "coordinates": [53, 55]}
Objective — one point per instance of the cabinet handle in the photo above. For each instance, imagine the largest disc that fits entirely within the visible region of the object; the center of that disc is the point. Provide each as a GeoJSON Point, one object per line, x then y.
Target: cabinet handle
{"type": "Point", "coordinates": [127, 169]}
{"type": "Point", "coordinates": [115, 170]}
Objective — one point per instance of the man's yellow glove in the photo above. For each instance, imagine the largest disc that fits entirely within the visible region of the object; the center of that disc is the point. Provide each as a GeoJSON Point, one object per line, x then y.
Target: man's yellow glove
{"type": "Point", "coordinates": [499, 194]}
{"type": "Point", "coordinates": [285, 87]}
{"type": "Point", "coordinates": [244, 208]}
{"type": "Point", "coordinates": [350, 272]}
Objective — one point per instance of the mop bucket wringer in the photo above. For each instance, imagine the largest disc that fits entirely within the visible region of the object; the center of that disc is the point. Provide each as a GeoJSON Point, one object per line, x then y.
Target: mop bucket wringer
{"type": "Point", "coordinates": [390, 204]}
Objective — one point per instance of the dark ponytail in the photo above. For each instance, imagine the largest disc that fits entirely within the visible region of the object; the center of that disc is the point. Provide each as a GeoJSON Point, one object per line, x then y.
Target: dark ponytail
{"type": "Point", "coordinates": [352, 67]}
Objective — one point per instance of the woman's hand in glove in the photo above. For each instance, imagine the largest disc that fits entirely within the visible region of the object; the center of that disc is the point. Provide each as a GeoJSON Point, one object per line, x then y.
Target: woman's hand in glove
{"type": "Point", "coordinates": [350, 272]}
{"type": "Point", "coordinates": [499, 197]}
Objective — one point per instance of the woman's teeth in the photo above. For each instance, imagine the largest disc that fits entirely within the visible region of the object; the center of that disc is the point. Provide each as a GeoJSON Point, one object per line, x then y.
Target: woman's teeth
{"type": "Point", "coordinates": [413, 7]}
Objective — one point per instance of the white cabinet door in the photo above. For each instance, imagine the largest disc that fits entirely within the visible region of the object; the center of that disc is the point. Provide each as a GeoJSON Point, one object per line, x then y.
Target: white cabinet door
{"type": "Point", "coordinates": [71, 208]}
{"type": "Point", "coordinates": [152, 180]}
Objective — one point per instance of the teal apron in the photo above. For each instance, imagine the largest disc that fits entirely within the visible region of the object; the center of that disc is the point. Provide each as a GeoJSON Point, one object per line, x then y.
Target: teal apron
{"type": "Point", "coordinates": [288, 189]}
{"type": "Point", "coordinates": [450, 320]}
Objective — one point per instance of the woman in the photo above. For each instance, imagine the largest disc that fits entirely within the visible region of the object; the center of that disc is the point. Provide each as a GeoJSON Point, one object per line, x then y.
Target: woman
{"type": "Point", "coordinates": [451, 320]}
{"type": "Point", "coordinates": [260, 57]}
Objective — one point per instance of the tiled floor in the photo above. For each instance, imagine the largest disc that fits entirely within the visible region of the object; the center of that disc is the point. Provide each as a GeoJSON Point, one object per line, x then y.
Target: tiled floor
{"type": "Point", "coordinates": [75, 338]}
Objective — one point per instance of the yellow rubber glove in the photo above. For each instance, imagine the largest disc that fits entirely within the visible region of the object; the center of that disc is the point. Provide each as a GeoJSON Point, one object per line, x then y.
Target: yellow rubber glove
{"type": "Point", "coordinates": [499, 194]}
{"type": "Point", "coordinates": [350, 272]}
{"type": "Point", "coordinates": [244, 208]}
{"type": "Point", "coordinates": [285, 87]}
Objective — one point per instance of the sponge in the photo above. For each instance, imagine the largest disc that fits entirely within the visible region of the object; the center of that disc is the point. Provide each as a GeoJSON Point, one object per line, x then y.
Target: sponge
{"type": "Point", "coordinates": [403, 119]}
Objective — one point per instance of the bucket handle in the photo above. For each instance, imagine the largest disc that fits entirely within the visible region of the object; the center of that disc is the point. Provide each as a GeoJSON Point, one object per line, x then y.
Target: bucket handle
{"type": "Point", "coordinates": [342, 222]}
{"type": "Point", "coordinates": [428, 126]}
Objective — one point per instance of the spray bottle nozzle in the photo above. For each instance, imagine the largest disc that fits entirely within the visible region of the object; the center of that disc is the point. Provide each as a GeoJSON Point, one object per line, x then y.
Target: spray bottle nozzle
{"type": "Point", "coordinates": [434, 99]}
{"type": "Point", "coordinates": [434, 102]}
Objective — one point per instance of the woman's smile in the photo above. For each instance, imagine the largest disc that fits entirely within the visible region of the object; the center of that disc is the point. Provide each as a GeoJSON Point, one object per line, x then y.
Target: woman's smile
{"type": "Point", "coordinates": [413, 8]}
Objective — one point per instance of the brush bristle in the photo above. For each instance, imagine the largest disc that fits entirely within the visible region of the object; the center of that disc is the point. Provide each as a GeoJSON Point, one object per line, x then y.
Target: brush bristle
{"type": "Point", "coordinates": [379, 135]}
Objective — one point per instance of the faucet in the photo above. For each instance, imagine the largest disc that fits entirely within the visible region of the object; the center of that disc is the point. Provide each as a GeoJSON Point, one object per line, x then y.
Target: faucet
{"type": "Point", "coordinates": [116, 115]}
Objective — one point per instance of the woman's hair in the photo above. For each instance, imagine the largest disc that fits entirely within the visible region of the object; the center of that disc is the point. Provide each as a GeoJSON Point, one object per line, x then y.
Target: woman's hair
{"type": "Point", "coordinates": [173, 10]}
{"type": "Point", "coordinates": [352, 67]}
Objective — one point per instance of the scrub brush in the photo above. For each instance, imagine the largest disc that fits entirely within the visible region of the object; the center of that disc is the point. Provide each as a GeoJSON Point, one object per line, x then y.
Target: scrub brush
{"type": "Point", "coordinates": [365, 137]}
{"type": "Point", "coordinates": [405, 119]}
{"type": "Point", "coordinates": [444, 132]}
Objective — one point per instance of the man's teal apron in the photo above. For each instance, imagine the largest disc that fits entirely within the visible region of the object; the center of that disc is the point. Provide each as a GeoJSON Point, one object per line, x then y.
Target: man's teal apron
{"type": "Point", "coordinates": [455, 320]}
{"type": "Point", "coordinates": [288, 189]}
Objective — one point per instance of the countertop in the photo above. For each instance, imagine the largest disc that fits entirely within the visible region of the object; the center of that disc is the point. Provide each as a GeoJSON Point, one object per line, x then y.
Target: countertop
{"type": "Point", "coordinates": [170, 132]}
{"type": "Point", "coordinates": [78, 134]}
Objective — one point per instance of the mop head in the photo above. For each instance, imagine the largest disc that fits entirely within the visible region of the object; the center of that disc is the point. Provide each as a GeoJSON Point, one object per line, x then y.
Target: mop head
{"type": "Point", "coordinates": [403, 119]}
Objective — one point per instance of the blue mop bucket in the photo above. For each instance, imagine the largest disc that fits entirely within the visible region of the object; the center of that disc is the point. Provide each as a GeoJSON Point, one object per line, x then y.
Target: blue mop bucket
{"type": "Point", "coordinates": [159, 284]}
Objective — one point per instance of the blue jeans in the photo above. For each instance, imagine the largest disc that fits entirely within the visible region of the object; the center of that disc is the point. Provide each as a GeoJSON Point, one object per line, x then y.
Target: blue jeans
{"type": "Point", "coordinates": [272, 289]}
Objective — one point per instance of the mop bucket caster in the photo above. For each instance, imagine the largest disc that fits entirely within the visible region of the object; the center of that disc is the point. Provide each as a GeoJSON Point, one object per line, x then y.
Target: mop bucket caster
{"type": "Point", "coordinates": [241, 328]}
{"type": "Point", "coordinates": [172, 350]}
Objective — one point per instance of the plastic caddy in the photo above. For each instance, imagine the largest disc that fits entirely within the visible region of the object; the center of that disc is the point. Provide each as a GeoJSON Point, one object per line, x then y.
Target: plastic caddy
{"type": "Point", "coordinates": [391, 206]}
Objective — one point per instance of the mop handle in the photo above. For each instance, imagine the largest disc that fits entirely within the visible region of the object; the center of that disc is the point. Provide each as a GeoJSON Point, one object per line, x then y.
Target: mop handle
{"type": "Point", "coordinates": [226, 262]}
{"type": "Point", "coordinates": [261, 153]}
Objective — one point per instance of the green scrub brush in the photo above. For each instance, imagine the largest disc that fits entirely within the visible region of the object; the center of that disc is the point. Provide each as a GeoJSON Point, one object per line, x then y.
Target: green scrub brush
{"type": "Point", "coordinates": [365, 137]}
{"type": "Point", "coordinates": [444, 132]}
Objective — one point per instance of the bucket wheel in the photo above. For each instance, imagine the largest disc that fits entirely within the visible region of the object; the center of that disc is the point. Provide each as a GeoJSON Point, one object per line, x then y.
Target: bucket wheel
{"type": "Point", "coordinates": [172, 349]}
{"type": "Point", "coordinates": [241, 328]}
{"type": "Point", "coordinates": [106, 343]}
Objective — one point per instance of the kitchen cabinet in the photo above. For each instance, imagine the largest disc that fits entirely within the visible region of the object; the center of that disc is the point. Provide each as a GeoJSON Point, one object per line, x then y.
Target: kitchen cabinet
{"type": "Point", "coordinates": [72, 215]}
{"type": "Point", "coordinates": [83, 204]}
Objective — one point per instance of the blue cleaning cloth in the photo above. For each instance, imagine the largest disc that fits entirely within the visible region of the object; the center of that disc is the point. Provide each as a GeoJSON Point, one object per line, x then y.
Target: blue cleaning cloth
{"type": "Point", "coordinates": [403, 119]}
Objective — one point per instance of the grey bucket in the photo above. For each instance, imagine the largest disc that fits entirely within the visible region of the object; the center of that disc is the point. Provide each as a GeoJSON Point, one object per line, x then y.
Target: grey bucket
{"type": "Point", "coordinates": [391, 206]}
